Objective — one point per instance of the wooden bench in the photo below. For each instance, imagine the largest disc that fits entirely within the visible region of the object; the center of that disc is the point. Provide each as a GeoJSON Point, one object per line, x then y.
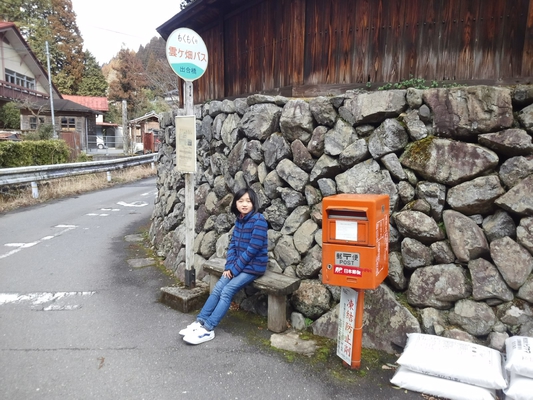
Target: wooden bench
{"type": "Point", "coordinates": [277, 286]}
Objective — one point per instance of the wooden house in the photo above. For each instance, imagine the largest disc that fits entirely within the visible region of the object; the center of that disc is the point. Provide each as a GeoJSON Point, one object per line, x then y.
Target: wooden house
{"type": "Point", "coordinates": [22, 77]}
{"type": "Point", "coordinates": [314, 47]}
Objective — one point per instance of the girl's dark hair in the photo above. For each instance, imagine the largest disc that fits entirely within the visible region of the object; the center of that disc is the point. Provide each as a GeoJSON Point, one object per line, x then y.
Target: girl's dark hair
{"type": "Point", "coordinates": [239, 194]}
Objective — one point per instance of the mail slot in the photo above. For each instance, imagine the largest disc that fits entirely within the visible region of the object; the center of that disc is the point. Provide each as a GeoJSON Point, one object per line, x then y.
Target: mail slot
{"type": "Point", "coordinates": [355, 240]}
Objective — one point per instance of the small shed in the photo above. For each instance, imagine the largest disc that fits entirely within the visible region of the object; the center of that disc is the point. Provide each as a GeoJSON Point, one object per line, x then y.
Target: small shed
{"type": "Point", "coordinates": [142, 130]}
{"type": "Point", "coordinates": [73, 122]}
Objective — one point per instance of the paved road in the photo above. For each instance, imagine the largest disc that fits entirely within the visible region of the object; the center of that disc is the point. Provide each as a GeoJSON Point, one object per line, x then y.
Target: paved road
{"type": "Point", "coordinates": [77, 322]}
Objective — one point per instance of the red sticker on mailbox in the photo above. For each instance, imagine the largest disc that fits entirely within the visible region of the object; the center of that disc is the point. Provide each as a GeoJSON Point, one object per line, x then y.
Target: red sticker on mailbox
{"type": "Point", "coordinates": [344, 270]}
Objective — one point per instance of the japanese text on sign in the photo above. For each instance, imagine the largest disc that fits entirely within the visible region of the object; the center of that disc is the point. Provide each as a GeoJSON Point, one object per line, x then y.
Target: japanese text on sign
{"type": "Point", "coordinates": [186, 143]}
{"type": "Point", "coordinates": [187, 54]}
{"type": "Point", "coordinates": [346, 324]}
{"type": "Point", "coordinates": [346, 230]}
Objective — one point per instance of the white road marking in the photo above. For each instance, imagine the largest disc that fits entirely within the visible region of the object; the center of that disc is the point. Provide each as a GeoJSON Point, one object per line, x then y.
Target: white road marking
{"type": "Point", "coordinates": [57, 301]}
{"type": "Point", "coordinates": [110, 209]}
{"type": "Point", "coordinates": [134, 204]}
{"type": "Point", "coordinates": [20, 246]}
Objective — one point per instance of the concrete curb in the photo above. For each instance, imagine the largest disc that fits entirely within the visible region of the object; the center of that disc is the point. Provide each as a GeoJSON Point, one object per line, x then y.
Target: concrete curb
{"type": "Point", "coordinates": [184, 299]}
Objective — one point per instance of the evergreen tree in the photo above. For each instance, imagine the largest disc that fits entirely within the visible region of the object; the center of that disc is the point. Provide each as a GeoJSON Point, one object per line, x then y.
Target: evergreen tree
{"type": "Point", "coordinates": [93, 82]}
{"type": "Point", "coordinates": [130, 83]}
{"type": "Point", "coordinates": [68, 62]}
{"type": "Point", "coordinates": [10, 116]}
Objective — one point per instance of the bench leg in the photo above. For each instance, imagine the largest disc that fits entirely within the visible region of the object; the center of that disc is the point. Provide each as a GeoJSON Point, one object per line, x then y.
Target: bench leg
{"type": "Point", "coordinates": [277, 313]}
{"type": "Point", "coordinates": [212, 282]}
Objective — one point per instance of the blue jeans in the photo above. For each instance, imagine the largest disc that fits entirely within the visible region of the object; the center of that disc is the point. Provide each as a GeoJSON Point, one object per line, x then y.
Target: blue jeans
{"type": "Point", "coordinates": [218, 302]}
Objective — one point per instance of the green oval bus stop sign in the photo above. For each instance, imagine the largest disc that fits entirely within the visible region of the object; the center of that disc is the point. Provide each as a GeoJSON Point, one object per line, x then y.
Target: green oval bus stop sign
{"type": "Point", "coordinates": [187, 54]}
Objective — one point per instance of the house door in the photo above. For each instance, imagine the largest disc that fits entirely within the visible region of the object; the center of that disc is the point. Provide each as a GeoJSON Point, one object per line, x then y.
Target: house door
{"type": "Point", "coordinates": [73, 141]}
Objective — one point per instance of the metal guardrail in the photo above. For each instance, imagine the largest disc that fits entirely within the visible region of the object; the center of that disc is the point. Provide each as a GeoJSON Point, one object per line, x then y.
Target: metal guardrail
{"type": "Point", "coordinates": [13, 176]}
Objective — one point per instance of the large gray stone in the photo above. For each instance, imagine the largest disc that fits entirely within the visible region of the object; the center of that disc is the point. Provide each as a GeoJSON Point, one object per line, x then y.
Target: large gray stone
{"type": "Point", "coordinates": [525, 116]}
{"type": "Point", "coordinates": [464, 112]}
{"type": "Point", "coordinates": [301, 156]}
{"type": "Point", "coordinates": [476, 196]}
{"type": "Point", "coordinates": [513, 170]}
{"type": "Point", "coordinates": [338, 138]}
{"type": "Point", "coordinates": [311, 264]}
{"type": "Point", "coordinates": [312, 299]}
{"type": "Point", "coordinates": [275, 149]}
{"type": "Point", "coordinates": [435, 194]}
{"type": "Point", "coordinates": [419, 226]}
{"type": "Point", "coordinates": [518, 200]}
{"type": "Point", "coordinates": [513, 261]}
{"type": "Point", "coordinates": [387, 138]}
{"type": "Point", "coordinates": [376, 106]}
{"type": "Point", "coordinates": [509, 143]}
{"type": "Point", "coordinates": [323, 111]}
{"type": "Point", "coordinates": [447, 161]}
{"type": "Point", "coordinates": [260, 121]}
{"type": "Point", "coordinates": [316, 143]}
{"type": "Point", "coordinates": [466, 237]}
{"type": "Point", "coordinates": [285, 252]}
{"type": "Point", "coordinates": [354, 153]}
{"type": "Point", "coordinates": [415, 254]}
{"type": "Point", "coordinates": [396, 277]}
{"type": "Point", "coordinates": [292, 174]}
{"type": "Point", "coordinates": [498, 225]}
{"type": "Point", "coordinates": [325, 167]}
{"type": "Point", "coordinates": [438, 286]}
{"type": "Point", "coordinates": [524, 233]}
{"type": "Point", "coordinates": [475, 318]}
{"type": "Point", "coordinates": [367, 177]}
{"type": "Point", "coordinates": [296, 121]}
{"type": "Point", "coordinates": [386, 322]}
{"type": "Point", "coordinates": [487, 283]}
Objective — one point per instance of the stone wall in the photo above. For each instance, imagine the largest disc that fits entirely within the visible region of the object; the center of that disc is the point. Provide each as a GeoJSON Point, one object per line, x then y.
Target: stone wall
{"type": "Point", "coordinates": [457, 164]}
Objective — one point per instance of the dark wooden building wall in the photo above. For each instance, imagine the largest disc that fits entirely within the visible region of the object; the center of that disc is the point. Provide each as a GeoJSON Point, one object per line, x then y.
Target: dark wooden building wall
{"type": "Point", "coordinates": [311, 47]}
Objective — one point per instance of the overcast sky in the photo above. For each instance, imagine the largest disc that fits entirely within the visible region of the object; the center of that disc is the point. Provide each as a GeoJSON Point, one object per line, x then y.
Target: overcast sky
{"type": "Point", "coordinates": [108, 25]}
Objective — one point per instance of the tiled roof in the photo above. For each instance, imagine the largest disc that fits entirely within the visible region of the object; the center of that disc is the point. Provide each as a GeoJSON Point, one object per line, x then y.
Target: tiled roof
{"type": "Point", "coordinates": [62, 105]}
{"type": "Point", "coordinates": [94, 103]}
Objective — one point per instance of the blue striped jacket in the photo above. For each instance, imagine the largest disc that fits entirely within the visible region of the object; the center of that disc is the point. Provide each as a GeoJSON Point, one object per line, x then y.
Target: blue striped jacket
{"type": "Point", "coordinates": [248, 248]}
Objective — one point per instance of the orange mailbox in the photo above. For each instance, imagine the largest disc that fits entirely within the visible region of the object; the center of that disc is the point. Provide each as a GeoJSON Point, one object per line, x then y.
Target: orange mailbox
{"type": "Point", "coordinates": [355, 240]}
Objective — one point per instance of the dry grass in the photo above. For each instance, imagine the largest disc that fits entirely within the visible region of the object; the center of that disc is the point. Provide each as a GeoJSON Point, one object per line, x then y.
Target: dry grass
{"type": "Point", "coordinates": [64, 187]}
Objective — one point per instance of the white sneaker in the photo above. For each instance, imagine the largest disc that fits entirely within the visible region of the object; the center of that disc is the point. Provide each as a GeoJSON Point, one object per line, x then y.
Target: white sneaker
{"type": "Point", "coordinates": [190, 328]}
{"type": "Point", "coordinates": [200, 335]}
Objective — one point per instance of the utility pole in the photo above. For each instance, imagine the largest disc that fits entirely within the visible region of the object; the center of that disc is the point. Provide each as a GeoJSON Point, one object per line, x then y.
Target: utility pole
{"type": "Point", "coordinates": [51, 92]}
{"type": "Point", "coordinates": [125, 133]}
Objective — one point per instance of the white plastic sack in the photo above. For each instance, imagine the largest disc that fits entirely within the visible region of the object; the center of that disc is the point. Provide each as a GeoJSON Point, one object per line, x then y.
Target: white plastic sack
{"type": "Point", "coordinates": [519, 350]}
{"type": "Point", "coordinates": [520, 388]}
{"type": "Point", "coordinates": [454, 360]}
{"type": "Point", "coordinates": [432, 385]}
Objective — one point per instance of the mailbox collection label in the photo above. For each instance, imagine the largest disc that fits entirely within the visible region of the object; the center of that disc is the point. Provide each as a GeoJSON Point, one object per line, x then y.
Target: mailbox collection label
{"type": "Point", "coordinates": [347, 264]}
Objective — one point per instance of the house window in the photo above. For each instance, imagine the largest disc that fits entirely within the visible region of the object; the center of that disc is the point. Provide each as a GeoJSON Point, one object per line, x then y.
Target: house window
{"type": "Point", "coordinates": [68, 123]}
{"type": "Point", "coordinates": [34, 123]}
{"type": "Point", "coordinates": [19, 79]}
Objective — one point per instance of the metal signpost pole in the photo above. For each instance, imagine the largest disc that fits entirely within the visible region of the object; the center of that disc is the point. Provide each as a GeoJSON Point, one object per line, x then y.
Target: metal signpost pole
{"type": "Point", "coordinates": [187, 55]}
{"type": "Point", "coordinates": [190, 272]}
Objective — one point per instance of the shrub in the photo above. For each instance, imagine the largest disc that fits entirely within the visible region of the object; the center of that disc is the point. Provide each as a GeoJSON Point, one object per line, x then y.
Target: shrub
{"type": "Point", "coordinates": [29, 153]}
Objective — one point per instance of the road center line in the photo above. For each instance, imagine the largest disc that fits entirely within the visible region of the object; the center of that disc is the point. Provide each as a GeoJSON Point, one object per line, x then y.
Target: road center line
{"type": "Point", "coordinates": [20, 246]}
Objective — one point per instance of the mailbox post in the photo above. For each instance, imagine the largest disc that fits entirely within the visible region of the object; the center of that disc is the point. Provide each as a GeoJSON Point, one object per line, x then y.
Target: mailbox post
{"type": "Point", "coordinates": [355, 250]}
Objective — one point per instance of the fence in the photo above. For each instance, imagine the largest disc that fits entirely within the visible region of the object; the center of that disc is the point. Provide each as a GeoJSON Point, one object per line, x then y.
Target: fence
{"type": "Point", "coordinates": [33, 174]}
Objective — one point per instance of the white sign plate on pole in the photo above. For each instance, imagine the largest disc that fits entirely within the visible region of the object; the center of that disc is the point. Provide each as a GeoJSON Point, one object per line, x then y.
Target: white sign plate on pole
{"type": "Point", "coordinates": [186, 143]}
{"type": "Point", "coordinates": [346, 324]}
{"type": "Point", "coordinates": [187, 54]}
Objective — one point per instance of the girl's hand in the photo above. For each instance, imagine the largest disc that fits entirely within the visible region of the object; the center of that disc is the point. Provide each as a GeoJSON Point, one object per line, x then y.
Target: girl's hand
{"type": "Point", "coordinates": [227, 274]}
